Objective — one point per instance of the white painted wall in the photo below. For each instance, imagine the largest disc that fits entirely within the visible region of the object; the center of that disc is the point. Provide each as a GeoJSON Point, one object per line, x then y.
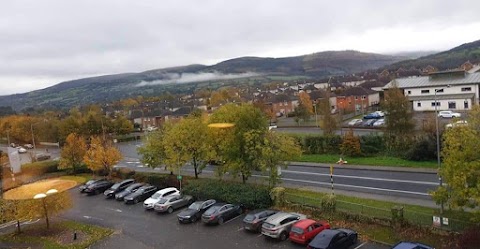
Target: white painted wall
{"type": "Point", "coordinates": [456, 89]}
{"type": "Point", "coordinates": [373, 99]}
{"type": "Point", "coordinates": [426, 105]}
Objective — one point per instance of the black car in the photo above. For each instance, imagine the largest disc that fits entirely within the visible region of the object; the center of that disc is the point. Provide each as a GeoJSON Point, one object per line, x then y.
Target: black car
{"type": "Point", "coordinates": [130, 189]}
{"type": "Point", "coordinates": [253, 221]}
{"type": "Point", "coordinates": [117, 187]}
{"type": "Point", "coordinates": [194, 211]}
{"type": "Point", "coordinates": [84, 186]}
{"type": "Point", "coordinates": [98, 187]}
{"type": "Point", "coordinates": [140, 195]}
{"type": "Point", "coordinates": [221, 212]}
{"type": "Point", "coordinates": [334, 239]}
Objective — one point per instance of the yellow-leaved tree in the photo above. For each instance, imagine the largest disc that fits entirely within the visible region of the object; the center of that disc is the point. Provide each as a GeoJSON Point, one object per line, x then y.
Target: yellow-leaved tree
{"type": "Point", "coordinates": [73, 152]}
{"type": "Point", "coordinates": [101, 155]}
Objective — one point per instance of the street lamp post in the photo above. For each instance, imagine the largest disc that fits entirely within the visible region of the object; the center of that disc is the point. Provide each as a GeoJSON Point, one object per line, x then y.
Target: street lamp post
{"type": "Point", "coordinates": [33, 142]}
{"type": "Point", "coordinates": [42, 196]}
{"type": "Point", "coordinates": [316, 116]}
{"type": "Point", "coordinates": [439, 163]}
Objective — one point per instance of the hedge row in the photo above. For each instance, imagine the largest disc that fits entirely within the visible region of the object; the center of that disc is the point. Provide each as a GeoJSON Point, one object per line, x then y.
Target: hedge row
{"type": "Point", "coordinates": [369, 144]}
{"type": "Point", "coordinates": [251, 196]}
{"type": "Point", "coordinates": [155, 179]}
{"type": "Point", "coordinates": [40, 168]}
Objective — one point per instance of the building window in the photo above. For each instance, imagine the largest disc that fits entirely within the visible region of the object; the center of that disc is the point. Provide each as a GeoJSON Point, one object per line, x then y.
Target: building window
{"type": "Point", "coordinates": [466, 89]}
{"type": "Point", "coordinates": [364, 97]}
{"type": "Point", "coordinates": [465, 104]}
{"type": "Point", "coordinates": [433, 103]}
{"type": "Point", "coordinates": [425, 91]}
{"type": "Point", "coordinates": [439, 90]}
{"type": "Point", "coordinates": [452, 105]}
{"type": "Point", "coordinates": [419, 104]}
{"type": "Point", "coordinates": [356, 97]}
{"type": "Point", "coordinates": [409, 92]}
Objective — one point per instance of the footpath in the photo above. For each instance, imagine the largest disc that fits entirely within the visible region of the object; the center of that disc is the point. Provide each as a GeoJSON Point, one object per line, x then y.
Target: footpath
{"type": "Point", "coordinates": [366, 167]}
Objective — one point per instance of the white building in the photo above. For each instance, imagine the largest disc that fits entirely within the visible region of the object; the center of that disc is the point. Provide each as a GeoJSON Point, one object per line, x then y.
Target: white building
{"type": "Point", "coordinates": [453, 90]}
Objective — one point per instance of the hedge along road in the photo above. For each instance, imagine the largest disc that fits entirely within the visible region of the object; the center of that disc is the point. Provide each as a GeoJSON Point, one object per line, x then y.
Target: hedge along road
{"type": "Point", "coordinates": [408, 186]}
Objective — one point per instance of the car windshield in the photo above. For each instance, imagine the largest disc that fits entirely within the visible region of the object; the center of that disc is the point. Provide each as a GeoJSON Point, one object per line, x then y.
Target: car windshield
{"type": "Point", "coordinates": [156, 196]}
{"type": "Point", "coordinates": [297, 230]}
{"type": "Point", "coordinates": [212, 210]}
{"type": "Point", "coordinates": [115, 186]}
{"type": "Point", "coordinates": [250, 217]}
{"type": "Point", "coordinates": [268, 225]}
{"type": "Point", "coordinates": [131, 188]}
{"type": "Point", "coordinates": [195, 206]}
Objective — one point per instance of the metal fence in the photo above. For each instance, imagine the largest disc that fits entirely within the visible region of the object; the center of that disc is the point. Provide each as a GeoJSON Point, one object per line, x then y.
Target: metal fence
{"type": "Point", "coordinates": [386, 214]}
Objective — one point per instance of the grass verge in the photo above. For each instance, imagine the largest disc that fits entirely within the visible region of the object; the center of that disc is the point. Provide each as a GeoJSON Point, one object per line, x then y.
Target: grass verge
{"type": "Point", "coordinates": [373, 161]}
{"type": "Point", "coordinates": [59, 236]}
{"type": "Point", "coordinates": [80, 178]}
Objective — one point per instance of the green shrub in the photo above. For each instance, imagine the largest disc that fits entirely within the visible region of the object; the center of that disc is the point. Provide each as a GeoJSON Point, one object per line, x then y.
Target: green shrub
{"type": "Point", "coordinates": [322, 144]}
{"type": "Point", "coordinates": [351, 145]}
{"type": "Point", "coordinates": [372, 144]}
{"type": "Point", "coordinates": [251, 196]}
{"type": "Point", "coordinates": [40, 168]}
{"type": "Point", "coordinates": [278, 196]}
{"type": "Point", "coordinates": [423, 149]}
{"type": "Point", "coordinates": [329, 203]}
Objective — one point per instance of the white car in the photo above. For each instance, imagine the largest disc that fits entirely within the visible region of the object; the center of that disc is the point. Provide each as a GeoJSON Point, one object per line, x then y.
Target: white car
{"type": "Point", "coordinates": [379, 123]}
{"type": "Point", "coordinates": [355, 122]}
{"type": "Point", "coordinates": [457, 124]}
{"type": "Point", "coordinates": [380, 113]}
{"type": "Point", "coordinates": [150, 202]}
{"type": "Point", "coordinates": [21, 150]}
{"type": "Point", "coordinates": [449, 114]}
{"type": "Point", "coordinates": [28, 146]}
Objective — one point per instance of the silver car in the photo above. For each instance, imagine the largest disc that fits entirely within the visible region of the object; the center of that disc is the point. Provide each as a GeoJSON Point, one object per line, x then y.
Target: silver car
{"type": "Point", "coordinates": [170, 203]}
{"type": "Point", "coordinates": [278, 225]}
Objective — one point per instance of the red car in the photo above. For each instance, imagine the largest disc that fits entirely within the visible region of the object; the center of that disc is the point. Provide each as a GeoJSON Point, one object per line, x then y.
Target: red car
{"type": "Point", "coordinates": [304, 231]}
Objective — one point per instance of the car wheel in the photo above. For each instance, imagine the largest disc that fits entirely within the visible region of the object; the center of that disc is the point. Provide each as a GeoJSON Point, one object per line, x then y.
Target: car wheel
{"type": "Point", "coordinates": [170, 210]}
{"type": "Point", "coordinates": [355, 238]}
{"type": "Point", "coordinates": [283, 236]}
{"type": "Point", "coordinates": [135, 201]}
{"type": "Point", "coordinates": [194, 219]}
{"type": "Point", "coordinates": [220, 221]}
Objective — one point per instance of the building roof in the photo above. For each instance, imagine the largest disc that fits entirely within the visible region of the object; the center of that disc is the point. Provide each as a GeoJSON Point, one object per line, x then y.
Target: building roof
{"type": "Point", "coordinates": [438, 79]}
{"type": "Point", "coordinates": [356, 91]}
{"type": "Point", "coordinates": [442, 97]}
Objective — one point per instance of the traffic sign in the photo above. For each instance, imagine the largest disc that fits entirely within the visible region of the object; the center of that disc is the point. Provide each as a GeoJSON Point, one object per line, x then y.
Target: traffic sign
{"type": "Point", "coordinates": [179, 177]}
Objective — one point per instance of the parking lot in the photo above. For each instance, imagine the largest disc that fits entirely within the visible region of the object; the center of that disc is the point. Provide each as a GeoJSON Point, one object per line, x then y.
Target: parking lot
{"type": "Point", "coordinates": [136, 228]}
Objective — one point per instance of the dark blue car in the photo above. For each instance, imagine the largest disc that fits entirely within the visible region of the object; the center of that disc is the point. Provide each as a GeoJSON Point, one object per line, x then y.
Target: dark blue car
{"type": "Point", "coordinates": [411, 245]}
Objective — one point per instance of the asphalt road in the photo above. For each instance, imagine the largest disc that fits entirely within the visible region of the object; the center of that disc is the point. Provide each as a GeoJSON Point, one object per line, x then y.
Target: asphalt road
{"type": "Point", "coordinates": [378, 183]}
{"type": "Point", "coordinates": [137, 228]}
{"type": "Point", "coordinates": [315, 130]}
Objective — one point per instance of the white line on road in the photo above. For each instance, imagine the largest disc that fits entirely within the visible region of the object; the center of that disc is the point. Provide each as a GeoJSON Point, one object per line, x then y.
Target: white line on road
{"type": "Point", "coordinates": [91, 218]}
{"type": "Point", "coordinates": [361, 177]}
{"type": "Point", "coordinates": [240, 229]}
{"type": "Point", "coordinates": [4, 225]}
{"type": "Point", "coordinates": [232, 219]}
{"type": "Point", "coordinates": [360, 245]}
{"type": "Point", "coordinates": [115, 209]}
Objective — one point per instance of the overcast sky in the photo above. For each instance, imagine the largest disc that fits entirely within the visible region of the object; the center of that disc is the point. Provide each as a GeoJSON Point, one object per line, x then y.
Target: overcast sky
{"type": "Point", "coordinates": [45, 42]}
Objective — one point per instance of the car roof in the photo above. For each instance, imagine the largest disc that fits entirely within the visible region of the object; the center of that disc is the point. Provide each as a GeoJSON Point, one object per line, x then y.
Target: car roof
{"type": "Point", "coordinates": [163, 191]}
{"type": "Point", "coordinates": [127, 180]}
{"type": "Point", "coordinates": [305, 223]}
{"type": "Point", "coordinates": [408, 245]}
{"type": "Point", "coordinates": [276, 218]}
{"type": "Point", "coordinates": [324, 237]}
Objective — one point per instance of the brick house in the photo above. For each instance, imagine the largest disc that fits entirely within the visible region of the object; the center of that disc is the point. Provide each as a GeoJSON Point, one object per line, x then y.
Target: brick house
{"type": "Point", "coordinates": [357, 99]}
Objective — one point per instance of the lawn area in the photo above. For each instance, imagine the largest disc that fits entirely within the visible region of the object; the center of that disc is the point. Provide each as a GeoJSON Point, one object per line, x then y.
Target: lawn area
{"type": "Point", "coordinates": [59, 236]}
{"type": "Point", "coordinates": [420, 215]}
{"type": "Point", "coordinates": [80, 178]}
{"type": "Point", "coordinates": [373, 160]}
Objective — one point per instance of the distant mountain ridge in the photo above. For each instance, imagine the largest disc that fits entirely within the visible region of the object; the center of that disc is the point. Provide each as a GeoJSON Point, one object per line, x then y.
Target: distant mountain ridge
{"type": "Point", "coordinates": [113, 87]}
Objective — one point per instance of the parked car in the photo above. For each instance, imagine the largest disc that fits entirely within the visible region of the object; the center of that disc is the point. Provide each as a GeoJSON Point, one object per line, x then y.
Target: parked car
{"type": "Point", "coordinates": [172, 202]}
{"type": "Point", "coordinates": [13, 145]}
{"type": "Point", "coordinates": [253, 221]}
{"type": "Point", "coordinates": [369, 122]}
{"type": "Point", "coordinates": [118, 187]}
{"type": "Point", "coordinates": [148, 203]}
{"type": "Point", "coordinates": [140, 195]}
{"type": "Point", "coordinates": [84, 186]}
{"type": "Point", "coordinates": [42, 157]}
{"type": "Point", "coordinates": [333, 239]}
{"type": "Point", "coordinates": [278, 225]}
{"type": "Point", "coordinates": [457, 124]}
{"type": "Point", "coordinates": [411, 245]}
{"type": "Point", "coordinates": [355, 122]}
{"type": "Point", "coordinates": [379, 123]}
{"type": "Point", "coordinates": [28, 146]}
{"type": "Point", "coordinates": [304, 231]}
{"type": "Point", "coordinates": [98, 187]}
{"type": "Point", "coordinates": [373, 115]}
{"type": "Point", "coordinates": [194, 211]}
{"type": "Point", "coordinates": [130, 189]}
{"type": "Point", "coordinates": [221, 212]}
{"type": "Point", "coordinates": [21, 150]}
{"type": "Point", "coordinates": [380, 113]}
{"type": "Point", "coordinates": [449, 114]}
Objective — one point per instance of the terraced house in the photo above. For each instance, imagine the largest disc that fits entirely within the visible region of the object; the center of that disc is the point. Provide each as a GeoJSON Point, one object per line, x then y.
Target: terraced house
{"type": "Point", "coordinates": [449, 90]}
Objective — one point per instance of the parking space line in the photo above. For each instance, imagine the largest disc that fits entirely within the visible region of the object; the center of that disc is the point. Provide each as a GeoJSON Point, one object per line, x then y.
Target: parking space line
{"type": "Point", "coordinates": [240, 229]}
{"type": "Point", "coordinates": [232, 219]}
{"type": "Point", "coordinates": [360, 245]}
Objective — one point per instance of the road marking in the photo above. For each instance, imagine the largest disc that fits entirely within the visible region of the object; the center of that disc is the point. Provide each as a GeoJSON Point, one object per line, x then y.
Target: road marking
{"type": "Point", "coordinates": [91, 218]}
{"type": "Point", "coordinates": [361, 177]}
{"type": "Point", "coordinates": [115, 209]}
{"type": "Point", "coordinates": [133, 162]}
{"type": "Point", "coordinates": [352, 186]}
{"type": "Point", "coordinates": [240, 229]}
{"type": "Point", "coordinates": [260, 235]}
{"type": "Point", "coordinates": [360, 245]}
{"type": "Point", "coordinates": [5, 225]}
{"type": "Point", "coordinates": [232, 219]}
{"type": "Point", "coordinates": [30, 222]}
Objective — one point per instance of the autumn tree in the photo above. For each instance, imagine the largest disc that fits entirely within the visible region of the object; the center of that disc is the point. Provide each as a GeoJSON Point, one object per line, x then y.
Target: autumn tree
{"type": "Point", "coordinates": [153, 153]}
{"type": "Point", "coordinates": [101, 155]}
{"type": "Point", "coordinates": [304, 110]}
{"type": "Point", "coordinates": [271, 150]}
{"type": "Point", "coordinates": [233, 147]}
{"type": "Point", "coordinates": [189, 141]}
{"type": "Point", "coordinates": [73, 152]}
{"type": "Point", "coordinates": [122, 125]}
{"type": "Point", "coordinates": [461, 166]}
{"type": "Point", "coordinates": [399, 120]}
{"type": "Point", "coordinates": [350, 145]}
{"type": "Point", "coordinates": [328, 122]}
